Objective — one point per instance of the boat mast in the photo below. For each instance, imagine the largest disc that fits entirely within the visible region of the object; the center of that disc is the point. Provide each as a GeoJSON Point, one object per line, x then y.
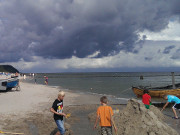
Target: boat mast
{"type": "Point", "coordinates": [173, 80]}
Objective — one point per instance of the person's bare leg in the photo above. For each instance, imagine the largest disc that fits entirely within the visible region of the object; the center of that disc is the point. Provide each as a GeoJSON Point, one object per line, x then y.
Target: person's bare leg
{"type": "Point", "coordinates": [58, 133]}
{"type": "Point", "coordinates": [174, 111]}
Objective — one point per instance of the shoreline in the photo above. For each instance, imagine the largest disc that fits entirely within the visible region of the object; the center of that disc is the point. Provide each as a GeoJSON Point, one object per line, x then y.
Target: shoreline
{"type": "Point", "coordinates": [28, 110]}
{"type": "Point", "coordinates": [112, 98]}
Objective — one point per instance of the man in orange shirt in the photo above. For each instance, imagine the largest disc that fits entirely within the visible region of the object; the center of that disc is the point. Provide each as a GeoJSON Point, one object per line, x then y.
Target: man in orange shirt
{"type": "Point", "coordinates": [104, 114]}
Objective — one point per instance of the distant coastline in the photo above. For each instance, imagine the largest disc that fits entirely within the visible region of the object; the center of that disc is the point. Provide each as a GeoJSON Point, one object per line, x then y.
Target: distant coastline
{"type": "Point", "coordinates": [8, 68]}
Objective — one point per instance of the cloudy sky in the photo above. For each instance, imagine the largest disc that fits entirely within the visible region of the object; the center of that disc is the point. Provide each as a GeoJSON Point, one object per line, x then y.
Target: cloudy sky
{"type": "Point", "coordinates": [90, 35]}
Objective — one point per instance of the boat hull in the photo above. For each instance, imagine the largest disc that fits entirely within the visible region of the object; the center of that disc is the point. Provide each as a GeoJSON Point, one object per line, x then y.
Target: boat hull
{"type": "Point", "coordinates": [8, 84]}
{"type": "Point", "coordinates": [156, 93]}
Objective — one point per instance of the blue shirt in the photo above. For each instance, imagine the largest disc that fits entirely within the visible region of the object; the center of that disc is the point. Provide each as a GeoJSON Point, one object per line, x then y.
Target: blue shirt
{"type": "Point", "coordinates": [172, 98]}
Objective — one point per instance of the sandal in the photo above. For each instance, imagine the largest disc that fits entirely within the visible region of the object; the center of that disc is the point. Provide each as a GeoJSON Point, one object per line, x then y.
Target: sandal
{"type": "Point", "coordinates": [175, 118]}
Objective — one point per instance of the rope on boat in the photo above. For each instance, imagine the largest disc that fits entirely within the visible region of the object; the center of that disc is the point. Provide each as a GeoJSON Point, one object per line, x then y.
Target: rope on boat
{"type": "Point", "coordinates": [126, 90]}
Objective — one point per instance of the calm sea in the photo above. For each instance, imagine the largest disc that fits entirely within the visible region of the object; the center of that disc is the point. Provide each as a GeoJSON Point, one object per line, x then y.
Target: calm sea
{"type": "Point", "coordinates": [115, 84]}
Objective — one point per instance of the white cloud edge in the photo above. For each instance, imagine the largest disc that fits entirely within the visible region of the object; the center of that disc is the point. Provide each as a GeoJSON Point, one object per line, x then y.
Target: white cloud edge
{"type": "Point", "coordinates": [171, 33]}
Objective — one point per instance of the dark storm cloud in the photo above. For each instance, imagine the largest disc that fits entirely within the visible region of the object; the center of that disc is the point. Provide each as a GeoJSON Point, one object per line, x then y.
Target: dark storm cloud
{"type": "Point", "coordinates": [176, 55]}
{"type": "Point", "coordinates": [168, 49]}
{"type": "Point", "coordinates": [63, 28]}
{"type": "Point", "coordinates": [148, 58]}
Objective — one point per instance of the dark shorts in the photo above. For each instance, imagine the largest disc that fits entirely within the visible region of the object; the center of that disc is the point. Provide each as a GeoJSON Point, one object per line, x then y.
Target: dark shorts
{"type": "Point", "coordinates": [106, 130]}
{"type": "Point", "coordinates": [176, 106]}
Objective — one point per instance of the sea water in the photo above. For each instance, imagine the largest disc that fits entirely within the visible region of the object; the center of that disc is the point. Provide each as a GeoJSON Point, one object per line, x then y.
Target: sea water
{"type": "Point", "coordinates": [115, 84]}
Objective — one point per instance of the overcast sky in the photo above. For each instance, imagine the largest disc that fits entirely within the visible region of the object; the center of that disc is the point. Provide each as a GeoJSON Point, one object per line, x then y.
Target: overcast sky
{"type": "Point", "coordinates": [90, 35]}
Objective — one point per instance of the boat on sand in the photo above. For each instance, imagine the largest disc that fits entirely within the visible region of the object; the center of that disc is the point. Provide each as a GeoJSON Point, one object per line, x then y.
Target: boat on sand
{"type": "Point", "coordinates": [8, 84]}
{"type": "Point", "coordinates": [158, 91]}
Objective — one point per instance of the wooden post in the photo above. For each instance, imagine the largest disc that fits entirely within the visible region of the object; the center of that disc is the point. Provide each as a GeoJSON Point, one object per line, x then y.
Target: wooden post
{"type": "Point", "coordinates": [173, 80]}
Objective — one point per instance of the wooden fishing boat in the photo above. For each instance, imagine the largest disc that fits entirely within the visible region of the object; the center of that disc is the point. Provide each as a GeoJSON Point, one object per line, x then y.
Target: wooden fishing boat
{"type": "Point", "coordinates": [158, 91]}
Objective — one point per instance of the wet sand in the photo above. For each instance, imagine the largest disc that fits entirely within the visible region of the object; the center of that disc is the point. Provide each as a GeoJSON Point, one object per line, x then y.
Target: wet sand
{"type": "Point", "coordinates": [27, 111]}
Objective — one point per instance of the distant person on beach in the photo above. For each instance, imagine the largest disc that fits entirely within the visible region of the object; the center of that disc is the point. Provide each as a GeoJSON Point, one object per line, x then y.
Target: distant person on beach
{"type": "Point", "coordinates": [146, 99]}
{"type": "Point", "coordinates": [172, 99]}
{"type": "Point", "coordinates": [104, 114]}
{"type": "Point", "coordinates": [46, 80]}
{"type": "Point", "coordinates": [16, 74]}
{"type": "Point", "coordinates": [57, 109]}
{"type": "Point", "coordinates": [24, 77]}
{"type": "Point", "coordinates": [35, 81]}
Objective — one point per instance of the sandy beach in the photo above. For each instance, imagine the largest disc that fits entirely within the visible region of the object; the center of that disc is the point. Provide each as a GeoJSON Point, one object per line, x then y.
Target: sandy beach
{"type": "Point", "coordinates": [27, 111]}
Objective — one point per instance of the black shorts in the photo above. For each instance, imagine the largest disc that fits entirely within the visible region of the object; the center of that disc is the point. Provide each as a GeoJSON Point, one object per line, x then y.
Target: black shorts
{"type": "Point", "coordinates": [176, 106]}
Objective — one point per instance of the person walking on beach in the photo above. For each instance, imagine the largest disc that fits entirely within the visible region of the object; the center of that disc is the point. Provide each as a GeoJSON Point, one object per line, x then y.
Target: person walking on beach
{"type": "Point", "coordinates": [104, 114]}
{"type": "Point", "coordinates": [172, 99]}
{"type": "Point", "coordinates": [57, 109]}
{"type": "Point", "coordinates": [46, 80]}
{"type": "Point", "coordinates": [146, 99]}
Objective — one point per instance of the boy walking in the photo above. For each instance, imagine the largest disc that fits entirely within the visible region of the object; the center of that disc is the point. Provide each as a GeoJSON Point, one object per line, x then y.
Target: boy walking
{"type": "Point", "coordinates": [104, 114]}
{"type": "Point", "coordinates": [57, 109]}
{"type": "Point", "coordinates": [146, 99]}
{"type": "Point", "coordinates": [172, 99]}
